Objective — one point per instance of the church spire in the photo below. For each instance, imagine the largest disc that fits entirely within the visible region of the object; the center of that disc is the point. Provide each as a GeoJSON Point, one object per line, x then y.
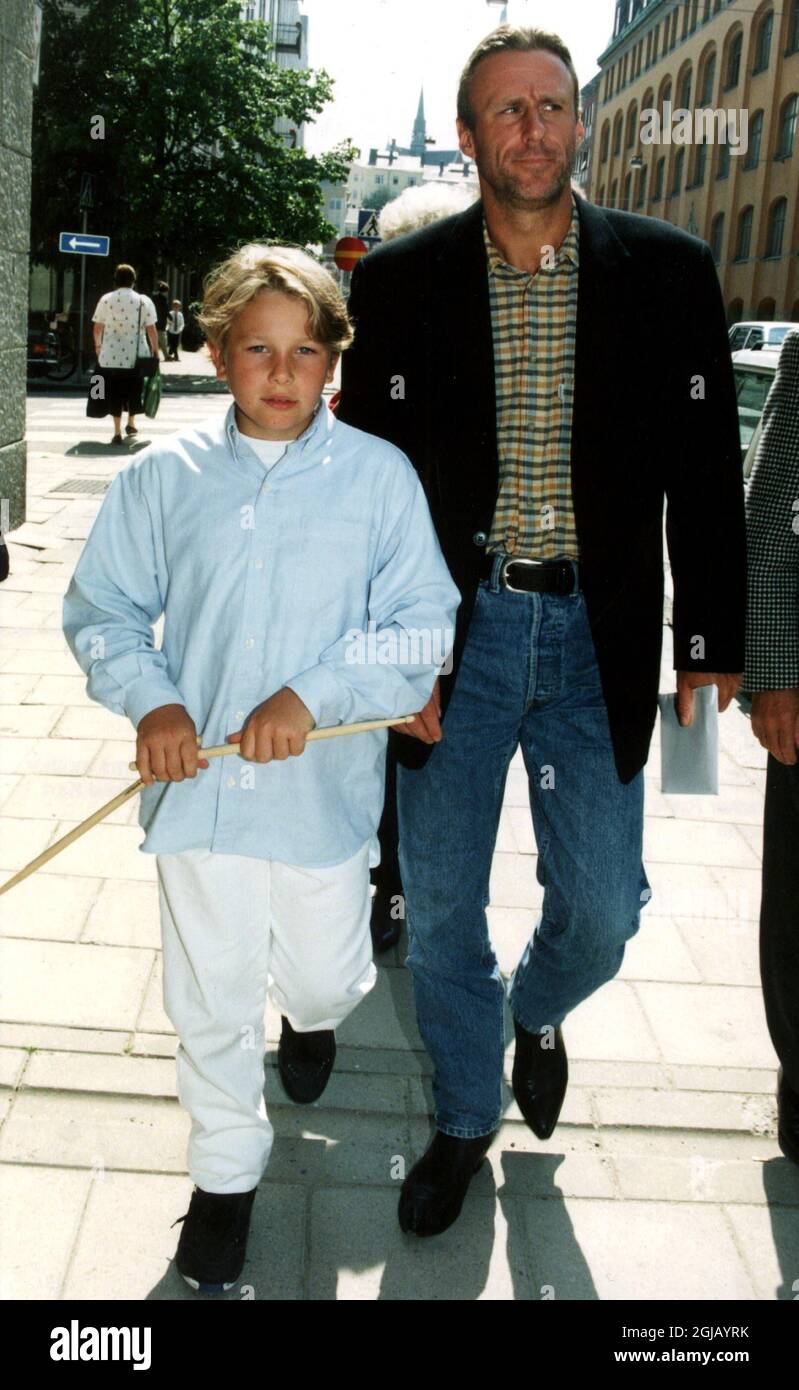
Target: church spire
{"type": "Point", "coordinates": [418, 139]}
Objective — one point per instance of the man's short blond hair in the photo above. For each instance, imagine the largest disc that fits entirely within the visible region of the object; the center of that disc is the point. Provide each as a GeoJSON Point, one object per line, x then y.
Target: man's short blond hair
{"type": "Point", "coordinates": [256, 267]}
{"type": "Point", "coordinates": [510, 39]}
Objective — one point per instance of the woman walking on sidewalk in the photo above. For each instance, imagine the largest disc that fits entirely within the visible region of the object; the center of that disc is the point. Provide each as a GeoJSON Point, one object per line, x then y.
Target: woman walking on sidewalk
{"type": "Point", "coordinates": [124, 330]}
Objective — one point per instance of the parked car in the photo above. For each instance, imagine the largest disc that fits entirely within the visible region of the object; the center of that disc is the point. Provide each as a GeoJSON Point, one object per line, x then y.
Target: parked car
{"type": "Point", "coordinates": [754, 372]}
{"type": "Point", "coordinates": [51, 348]}
{"type": "Point", "coordinates": [759, 333]}
{"type": "Point", "coordinates": [42, 351]}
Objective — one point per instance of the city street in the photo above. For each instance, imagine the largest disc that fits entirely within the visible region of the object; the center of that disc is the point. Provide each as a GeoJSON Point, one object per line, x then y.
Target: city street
{"type": "Point", "coordinates": [663, 1179]}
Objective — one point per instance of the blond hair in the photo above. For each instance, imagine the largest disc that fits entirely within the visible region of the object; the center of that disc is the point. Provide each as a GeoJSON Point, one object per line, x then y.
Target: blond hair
{"type": "Point", "coordinates": [256, 267]}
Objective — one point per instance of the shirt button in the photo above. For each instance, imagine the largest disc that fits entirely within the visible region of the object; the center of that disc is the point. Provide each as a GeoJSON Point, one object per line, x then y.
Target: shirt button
{"type": "Point", "coordinates": [250, 642]}
{"type": "Point", "coordinates": [479, 538]}
{"type": "Point", "coordinates": [259, 564]}
{"type": "Point", "coordinates": [231, 781]}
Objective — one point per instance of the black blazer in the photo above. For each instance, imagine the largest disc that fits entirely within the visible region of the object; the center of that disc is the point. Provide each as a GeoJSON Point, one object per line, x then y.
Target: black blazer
{"type": "Point", "coordinates": [654, 417]}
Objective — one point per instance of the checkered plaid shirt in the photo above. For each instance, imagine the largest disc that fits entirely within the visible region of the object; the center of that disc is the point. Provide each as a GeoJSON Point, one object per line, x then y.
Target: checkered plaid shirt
{"type": "Point", "coordinates": [772, 520]}
{"type": "Point", "coordinates": [534, 323]}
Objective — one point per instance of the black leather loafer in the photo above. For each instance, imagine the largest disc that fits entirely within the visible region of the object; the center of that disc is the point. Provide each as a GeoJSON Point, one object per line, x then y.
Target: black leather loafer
{"type": "Point", "coordinates": [433, 1192]}
{"type": "Point", "coordinates": [540, 1077]}
{"type": "Point", "coordinates": [305, 1061]}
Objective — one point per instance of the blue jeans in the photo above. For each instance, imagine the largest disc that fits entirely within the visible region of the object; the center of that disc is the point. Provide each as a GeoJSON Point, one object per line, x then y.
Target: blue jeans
{"type": "Point", "coordinates": [528, 676]}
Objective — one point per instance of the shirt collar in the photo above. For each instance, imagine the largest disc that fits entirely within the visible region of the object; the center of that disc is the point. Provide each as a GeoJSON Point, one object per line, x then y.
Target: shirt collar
{"type": "Point", "coordinates": [569, 249]}
{"type": "Point", "coordinates": [321, 427]}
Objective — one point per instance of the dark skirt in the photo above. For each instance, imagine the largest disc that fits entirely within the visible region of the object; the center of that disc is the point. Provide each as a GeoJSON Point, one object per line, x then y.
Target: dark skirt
{"type": "Point", "coordinates": [121, 391]}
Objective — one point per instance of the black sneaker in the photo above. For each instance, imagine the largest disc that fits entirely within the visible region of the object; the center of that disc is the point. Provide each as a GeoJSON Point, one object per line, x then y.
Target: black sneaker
{"type": "Point", "coordinates": [213, 1242]}
{"type": "Point", "coordinates": [305, 1061]}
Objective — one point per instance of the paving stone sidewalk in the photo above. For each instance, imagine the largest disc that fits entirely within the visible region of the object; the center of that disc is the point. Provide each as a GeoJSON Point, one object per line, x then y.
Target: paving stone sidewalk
{"type": "Point", "coordinates": [662, 1181]}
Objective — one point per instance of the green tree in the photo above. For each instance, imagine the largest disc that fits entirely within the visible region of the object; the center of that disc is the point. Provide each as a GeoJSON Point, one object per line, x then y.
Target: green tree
{"type": "Point", "coordinates": [378, 199]}
{"type": "Point", "coordinates": [171, 106]}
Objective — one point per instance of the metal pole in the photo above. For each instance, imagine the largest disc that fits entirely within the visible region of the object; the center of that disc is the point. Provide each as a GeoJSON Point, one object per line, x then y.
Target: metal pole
{"type": "Point", "coordinates": [82, 297]}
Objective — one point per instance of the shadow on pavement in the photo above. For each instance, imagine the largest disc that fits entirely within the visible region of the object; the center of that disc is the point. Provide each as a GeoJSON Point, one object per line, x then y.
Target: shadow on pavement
{"type": "Point", "coordinates": [88, 448]}
{"type": "Point", "coordinates": [780, 1182]}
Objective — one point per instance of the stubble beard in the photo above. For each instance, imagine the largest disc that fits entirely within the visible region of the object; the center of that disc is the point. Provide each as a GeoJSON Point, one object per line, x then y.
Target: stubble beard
{"type": "Point", "coordinates": [507, 191]}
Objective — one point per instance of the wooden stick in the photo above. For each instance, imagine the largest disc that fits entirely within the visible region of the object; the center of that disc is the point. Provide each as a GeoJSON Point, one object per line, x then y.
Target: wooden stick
{"type": "Point", "coordinates": [72, 835]}
{"type": "Point", "coordinates": [219, 752]}
{"type": "Point", "coordinates": [334, 732]}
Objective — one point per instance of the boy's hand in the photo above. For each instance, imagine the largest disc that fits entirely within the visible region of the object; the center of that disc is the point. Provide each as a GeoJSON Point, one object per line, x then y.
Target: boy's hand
{"type": "Point", "coordinates": [276, 729]}
{"type": "Point", "coordinates": [166, 745]}
{"type": "Point", "coordinates": [426, 724]}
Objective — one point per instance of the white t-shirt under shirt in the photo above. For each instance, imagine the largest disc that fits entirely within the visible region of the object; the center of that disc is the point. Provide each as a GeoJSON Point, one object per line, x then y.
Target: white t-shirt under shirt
{"type": "Point", "coordinates": [268, 450]}
{"type": "Point", "coordinates": [118, 312]}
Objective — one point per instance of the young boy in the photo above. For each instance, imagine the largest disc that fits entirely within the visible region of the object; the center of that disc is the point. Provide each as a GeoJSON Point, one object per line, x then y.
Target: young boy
{"type": "Point", "coordinates": [175, 325]}
{"type": "Point", "coordinates": [301, 583]}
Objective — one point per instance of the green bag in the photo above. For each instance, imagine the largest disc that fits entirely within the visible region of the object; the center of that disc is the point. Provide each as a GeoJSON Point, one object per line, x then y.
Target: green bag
{"type": "Point", "coordinates": [151, 394]}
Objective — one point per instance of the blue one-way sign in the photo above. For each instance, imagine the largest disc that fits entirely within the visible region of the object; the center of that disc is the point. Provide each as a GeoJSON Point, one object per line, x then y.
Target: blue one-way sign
{"type": "Point", "coordinates": [83, 243]}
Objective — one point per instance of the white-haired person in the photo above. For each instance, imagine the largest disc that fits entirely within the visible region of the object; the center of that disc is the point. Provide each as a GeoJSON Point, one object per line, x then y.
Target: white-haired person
{"type": "Point", "coordinates": [269, 541]}
{"type": "Point", "coordinates": [422, 203]}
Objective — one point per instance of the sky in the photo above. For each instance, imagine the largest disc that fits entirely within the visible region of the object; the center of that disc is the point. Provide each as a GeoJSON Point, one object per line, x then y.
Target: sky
{"type": "Point", "coordinates": [381, 51]}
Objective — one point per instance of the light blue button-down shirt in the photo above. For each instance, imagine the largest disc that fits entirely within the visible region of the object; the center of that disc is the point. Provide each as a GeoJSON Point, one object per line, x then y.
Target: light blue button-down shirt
{"type": "Point", "coordinates": [323, 574]}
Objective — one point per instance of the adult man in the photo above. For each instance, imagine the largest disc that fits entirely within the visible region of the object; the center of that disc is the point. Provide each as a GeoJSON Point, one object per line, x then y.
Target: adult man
{"type": "Point", "coordinates": [553, 371]}
{"type": "Point", "coordinates": [772, 673]}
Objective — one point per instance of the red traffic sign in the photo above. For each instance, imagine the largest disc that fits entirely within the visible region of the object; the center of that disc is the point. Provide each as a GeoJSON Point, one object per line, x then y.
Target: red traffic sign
{"type": "Point", "coordinates": [349, 251]}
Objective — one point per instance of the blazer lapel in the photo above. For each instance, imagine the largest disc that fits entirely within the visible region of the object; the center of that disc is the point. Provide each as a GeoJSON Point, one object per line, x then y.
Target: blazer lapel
{"type": "Point", "coordinates": [602, 289]}
{"type": "Point", "coordinates": [461, 364]}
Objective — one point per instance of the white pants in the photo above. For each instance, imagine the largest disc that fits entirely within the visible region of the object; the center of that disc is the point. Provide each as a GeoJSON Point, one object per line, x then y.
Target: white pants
{"type": "Point", "coordinates": [234, 927]}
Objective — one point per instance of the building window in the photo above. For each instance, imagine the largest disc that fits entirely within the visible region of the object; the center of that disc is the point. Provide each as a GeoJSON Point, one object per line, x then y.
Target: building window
{"type": "Point", "coordinates": [694, 10]}
{"type": "Point", "coordinates": [641, 199]}
{"type": "Point", "coordinates": [380, 178]}
{"type": "Point", "coordinates": [708, 81]}
{"type": "Point", "coordinates": [613, 191]}
{"type": "Point", "coordinates": [716, 6]}
{"type": "Point", "coordinates": [684, 101]}
{"type": "Point", "coordinates": [679, 161]}
{"type": "Point", "coordinates": [793, 29]}
{"type": "Point", "coordinates": [717, 236]}
{"type": "Point", "coordinates": [604, 144]}
{"type": "Point", "coordinates": [660, 173]}
{"type": "Point", "coordinates": [755, 140]}
{"type": "Point", "coordinates": [763, 49]}
{"type": "Point", "coordinates": [788, 120]}
{"type": "Point", "coordinates": [625, 202]}
{"type": "Point", "coordinates": [666, 97]}
{"type": "Point", "coordinates": [601, 198]}
{"type": "Point", "coordinates": [706, 12]}
{"type": "Point", "coordinates": [776, 228]}
{"type": "Point", "coordinates": [744, 235]}
{"type": "Point", "coordinates": [617, 124]}
{"type": "Point", "coordinates": [632, 121]}
{"type": "Point", "coordinates": [700, 161]}
{"type": "Point", "coordinates": [734, 61]}
{"type": "Point", "coordinates": [723, 170]}
{"type": "Point", "coordinates": [655, 38]}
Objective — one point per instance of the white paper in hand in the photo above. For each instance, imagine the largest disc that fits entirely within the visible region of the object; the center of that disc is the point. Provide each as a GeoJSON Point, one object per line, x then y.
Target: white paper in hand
{"type": "Point", "coordinates": [689, 756]}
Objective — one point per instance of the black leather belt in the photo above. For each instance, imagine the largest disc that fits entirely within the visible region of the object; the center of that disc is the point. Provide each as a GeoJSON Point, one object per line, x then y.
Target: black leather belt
{"type": "Point", "coordinates": [532, 576]}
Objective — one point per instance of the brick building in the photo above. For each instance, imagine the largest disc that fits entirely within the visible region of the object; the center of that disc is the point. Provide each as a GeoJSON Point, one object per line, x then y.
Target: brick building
{"type": "Point", "coordinates": [709, 55]}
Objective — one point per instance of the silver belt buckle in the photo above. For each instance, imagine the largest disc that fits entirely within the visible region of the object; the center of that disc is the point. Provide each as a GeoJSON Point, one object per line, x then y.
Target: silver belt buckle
{"type": "Point", "coordinates": [512, 560]}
